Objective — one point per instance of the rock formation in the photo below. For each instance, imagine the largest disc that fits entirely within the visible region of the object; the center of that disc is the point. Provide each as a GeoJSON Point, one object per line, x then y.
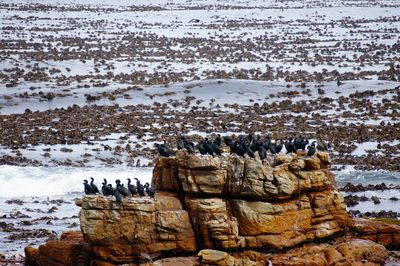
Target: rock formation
{"type": "Point", "coordinates": [227, 210]}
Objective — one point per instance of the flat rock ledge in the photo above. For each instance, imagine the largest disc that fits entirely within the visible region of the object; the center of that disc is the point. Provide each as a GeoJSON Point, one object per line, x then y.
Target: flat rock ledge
{"type": "Point", "coordinates": [225, 210]}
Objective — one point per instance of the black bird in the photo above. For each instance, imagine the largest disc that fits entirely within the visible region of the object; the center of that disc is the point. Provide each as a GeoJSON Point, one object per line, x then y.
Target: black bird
{"type": "Point", "coordinates": [118, 196]}
{"type": "Point", "coordinates": [279, 146]}
{"type": "Point", "coordinates": [216, 149]}
{"type": "Point", "coordinates": [162, 150]}
{"type": "Point", "coordinates": [217, 140]}
{"type": "Point", "coordinates": [201, 148]}
{"type": "Point", "coordinates": [208, 145]}
{"type": "Point", "coordinates": [149, 190]}
{"type": "Point", "coordinates": [240, 149]}
{"type": "Point", "coordinates": [263, 153]}
{"type": "Point", "coordinates": [88, 188]}
{"type": "Point", "coordinates": [107, 191]}
{"type": "Point", "coordinates": [311, 149]}
{"type": "Point", "coordinates": [111, 189]}
{"type": "Point", "coordinates": [250, 152]}
{"type": "Point", "coordinates": [139, 188]}
{"type": "Point", "coordinates": [272, 148]}
{"type": "Point", "coordinates": [93, 186]}
{"type": "Point", "coordinates": [132, 188]}
{"type": "Point", "coordinates": [121, 189]}
{"type": "Point", "coordinates": [189, 148]}
{"type": "Point", "coordinates": [228, 141]}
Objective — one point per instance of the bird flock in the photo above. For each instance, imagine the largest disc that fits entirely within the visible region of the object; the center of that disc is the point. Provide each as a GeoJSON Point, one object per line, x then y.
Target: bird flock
{"type": "Point", "coordinates": [245, 145]}
{"type": "Point", "coordinates": [119, 191]}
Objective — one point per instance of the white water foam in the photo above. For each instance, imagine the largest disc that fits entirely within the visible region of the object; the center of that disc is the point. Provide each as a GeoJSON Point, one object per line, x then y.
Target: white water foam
{"type": "Point", "coordinates": [351, 175]}
{"type": "Point", "coordinates": [16, 181]}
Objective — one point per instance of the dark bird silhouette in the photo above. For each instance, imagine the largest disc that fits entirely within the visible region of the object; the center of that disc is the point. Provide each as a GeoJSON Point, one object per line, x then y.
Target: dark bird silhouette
{"type": "Point", "coordinates": [149, 190]}
{"type": "Point", "coordinates": [121, 189]}
{"type": "Point", "coordinates": [88, 188]}
{"type": "Point", "coordinates": [139, 188]}
{"type": "Point", "coordinates": [162, 150]}
{"type": "Point", "coordinates": [217, 140]}
{"type": "Point", "coordinates": [250, 152]}
{"type": "Point", "coordinates": [201, 148]}
{"type": "Point", "coordinates": [131, 187]}
{"type": "Point", "coordinates": [106, 190]}
{"type": "Point", "coordinates": [189, 148]}
{"type": "Point", "coordinates": [118, 196]}
{"type": "Point", "coordinates": [93, 186]}
{"type": "Point", "coordinates": [311, 149]}
{"type": "Point", "coordinates": [279, 146]}
{"type": "Point", "coordinates": [208, 146]}
{"type": "Point", "coordinates": [228, 141]}
{"type": "Point", "coordinates": [263, 153]}
{"type": "Point", "coordinates": [216, 149]}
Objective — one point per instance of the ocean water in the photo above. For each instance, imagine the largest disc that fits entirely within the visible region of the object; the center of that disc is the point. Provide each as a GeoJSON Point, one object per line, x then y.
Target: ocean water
{"type": "Point", "coordinates": [350, 175]}
{"type": "Point", "coordinates": [16, 181]}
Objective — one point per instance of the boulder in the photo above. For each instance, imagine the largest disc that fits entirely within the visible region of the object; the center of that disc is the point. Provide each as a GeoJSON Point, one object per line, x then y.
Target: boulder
{"type": "Point", "coordinates": [137, 228]}
{"type": "Point", "coordinates": [349, 252]}
{"type": "Point", "coordinates": [241, 177]}
{"type": "Point", "coordinates": [380, 232]}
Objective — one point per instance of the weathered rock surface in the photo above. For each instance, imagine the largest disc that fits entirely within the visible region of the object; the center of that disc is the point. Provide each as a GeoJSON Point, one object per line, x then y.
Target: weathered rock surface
{"type": "Point", "coordinates": [243, 177]}
{"type": "Point", "coordinates": [138, 228]}
{"type": "Point", "coordinates": [351, 252]}
{"type": "Point", "coordinates": [204, 205]}
{"type": "Point", "coordinates": [379, 232]}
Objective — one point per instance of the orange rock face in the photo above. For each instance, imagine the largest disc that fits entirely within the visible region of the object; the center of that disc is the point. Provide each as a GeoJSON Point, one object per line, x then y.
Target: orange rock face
{"type": "Point", "coordinates": [382, 233]}
{"type": "Point", "coordinates": [136, 229]}
{"type": "Point", "coordinates": [352, 252]}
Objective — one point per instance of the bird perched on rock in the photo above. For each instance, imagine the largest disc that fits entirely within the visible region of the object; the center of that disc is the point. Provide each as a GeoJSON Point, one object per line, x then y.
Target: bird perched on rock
{"type": "Point", "coordinates": [262, 153]}
{"type": "Point", "coordinates": [121, 189]}
{"type": "Point", "coordinates": [93, 186]}
{"type": "Point", "coordinates": [201, 148]}
{"type": "Point", "coordinates": [88, 188]}
{"type": "Point", "coordinates": [106, 190]}
{"type": "Point", "coordinates": [131, 187]}
{"type": "Point", "coordinates": [162, 150]}
{"type": "Point", "coordinates": [139, 188]}
{"type": "Point", "coordinates": [149, 190]}
{"type": "Point", "coordinates": [311, 149]}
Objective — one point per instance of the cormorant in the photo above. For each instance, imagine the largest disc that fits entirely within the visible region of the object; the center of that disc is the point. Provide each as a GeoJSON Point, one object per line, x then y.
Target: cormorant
{"type": "Point", "coordinates": [131, 187]}
{"type": "Point", "coordinates": [250, 152]}
{"type": "Point", "coordinates": [272, 148]}
{"type": "Point", "coordinates": [118, 196]}
{"type": "Point", "coordinates": [201, 148]}
{"type": "Point", "coordinates": [139, 188]}
{"type": "Point", "coordinates": [189, 148]}
{"type": "Point", "coordinates": [263, 153]}
{"type": "Point", "coordinates": [162, 150]}
{"type": "Point", "coordinates": [107, 191]}
{"type": "Point", "coordinates": [311, 149]}
{"type": "Point", "coordinates": [217, 140]}
{"type": "Point", "coordinates": [228, 141]}
{"type": "Point", "coordinates": [88, 188]}
{"type": "Point", "coordinates": [279, 146]}
{"type": "Point", "coordinates": [149, 190]}
{"type": "Point", "coordinates": [121, 189]}
{"type": "Point", "coordinates": [93, 186]}
{"type": "Point", "coordinates": [216, 149]}
{"type": "Point", "coordinates": [208, 145]}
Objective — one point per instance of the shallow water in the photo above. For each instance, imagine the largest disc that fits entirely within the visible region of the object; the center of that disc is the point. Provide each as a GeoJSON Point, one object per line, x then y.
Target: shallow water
{"type": "Point", "coordinates": [366, 177]}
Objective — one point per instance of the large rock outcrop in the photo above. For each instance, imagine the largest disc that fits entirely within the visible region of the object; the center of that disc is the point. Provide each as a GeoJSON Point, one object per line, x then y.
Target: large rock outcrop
{"type": "Point", "coordinates": [228, 210]}
{"type": "Point", "coordinates": [138, 228]}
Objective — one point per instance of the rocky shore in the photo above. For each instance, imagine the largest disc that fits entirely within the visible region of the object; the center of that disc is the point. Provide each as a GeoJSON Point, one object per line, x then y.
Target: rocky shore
{"type": "Point", "coordinates": [225, 211]}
